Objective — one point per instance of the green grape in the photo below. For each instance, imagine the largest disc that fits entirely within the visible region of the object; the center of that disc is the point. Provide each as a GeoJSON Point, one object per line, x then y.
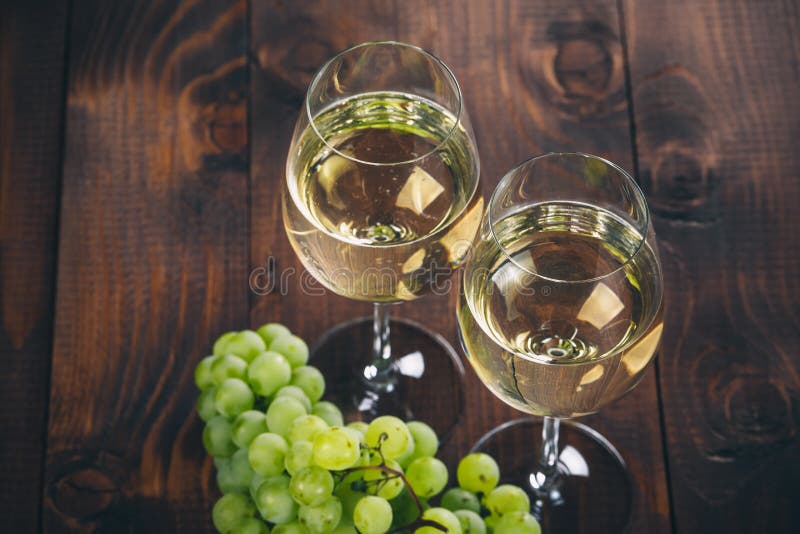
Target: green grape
{"type": "Point", "coordinates": [310, 380]}
{"type": "Point", "coordinates": [471, 522]}
{"type": "Point", "coordinates": [271, 331]}
{"type": "Point", "coordinates": [517, 522]}
{"type": "Point", "coordinates": [306, 428]}
{"type": "Point", "coordinates": [233, 397]}
{"type": "Point", "coordinates": [231, 510]}
{"type": "Point", "coordinates": [364, 457]}
{"type": "Point", "coordinates": [206, 407]}
{"type": "Point", "coordinates": [267, 454]}
{"type": "Point", "coordinates": [246, 345]}
{"type": "Point", "coordinates": [274, 502]}
{"type": "Point", "coordinates": [478, 473]}
{"type": "Point", "coordinates": [228, 366]}
{"type": "Point", "coordinates": [444, 517]}
{"type": "Point", "coordinates": [256, 481]}
{"type": "Point", "coordinates": [247, 426]}
{"type": "Point", "coordinates": [321, 518]}
{"type": "Point", "coordinates": [300, 455]}
{"type": "Point", "coordinates": [396, 435]}
{"type": "Point", "coordinates": [426, 442]}
{"type": "Point", "coordinates": [361, 428]}
{"type": "Point", "coordinates": [221, 344]}
{"type": "Point", "coordinates": [294, 348]}
{"type": "Point", "coordinates": [348, 495]}
{"type": "Point", "coordinates": [268, 372]}
{"type": "Point", "coordinates": [251, 525]}
{"type": "Point", "coordinates": [282, 412]}
{"type": "Point", "coordinates": [219, 461]}
{"type": "Point", "coordinates": [507, 498]}
{"type": "Point", "coordinates": [217, 437]}
{"type": "Point", "coordinates": [329, 412]}
{"type": "Point", "coordinates": [360, 438]}
{"type": "Point", "coordinates": [296, 393]}
{"type": "Point", "coordinates": [427, 476]}
{"type": "Point", "coordinates": [240, 467]}
{"type": "Point", "coordinates": [408, 455]}
{"type": "Point", "coordinates": [290, 528]}
{"type": "Point", "coordinates": [381, 483]}
{"type": "Point", "coordinates": [373, 515]}
{"type": "Point", "coordinates": [460, 499]}
{"type": "Point", "coordinates": [336, 449]}
{"type": "Point", "coordinates": [311, 486]}
{"type": "Point", "coordinates": [227, 481]}
{"type": "Point", "coordinates": [202, 373]}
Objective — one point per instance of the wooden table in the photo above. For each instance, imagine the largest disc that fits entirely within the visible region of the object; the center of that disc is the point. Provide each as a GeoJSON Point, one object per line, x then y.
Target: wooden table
{"type": "Point", "coordinates": [141, 149]}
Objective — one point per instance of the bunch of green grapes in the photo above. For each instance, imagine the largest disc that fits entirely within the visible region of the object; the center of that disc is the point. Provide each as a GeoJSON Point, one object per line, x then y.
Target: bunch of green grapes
{"type": "Point", "coordinates": [287, 463]}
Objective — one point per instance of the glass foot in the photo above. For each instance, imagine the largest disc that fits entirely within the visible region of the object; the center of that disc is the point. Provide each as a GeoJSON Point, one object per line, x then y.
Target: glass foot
{"type": "Point", "coordinates": [593, 492]}
{"type": "Point", "coordinates": [428, 375]}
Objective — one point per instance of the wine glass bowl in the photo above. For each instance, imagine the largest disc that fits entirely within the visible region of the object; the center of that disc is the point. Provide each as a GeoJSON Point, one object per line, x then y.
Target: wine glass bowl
{"type": "Point", "coordinates": [382, 198]}
{"type": "Point", "coordinates": [381, 203]}
{"type": "Point", "coordinates": [561, 308]}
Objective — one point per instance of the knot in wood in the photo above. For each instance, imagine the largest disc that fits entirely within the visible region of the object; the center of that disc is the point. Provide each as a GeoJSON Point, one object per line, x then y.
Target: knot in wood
{"type": "Point", "coordinates": [757, 410]}
{"type": "Point", "coordinates": [583, 68]}
{"type": "Point", "coordinates": [213, 128]}
{"type": "Point", "coordinates": [84, 493]}
{"type": "Point", "coordinates": [86, 487]}
{"type": "Point", "coordinates": [747, 408]}
{"type": "Point", "coordinates": [680, 183]}
{"type": "Point", "coordinates": [677, 135]}
{"type": "Point", "coordinates": [290, 63]}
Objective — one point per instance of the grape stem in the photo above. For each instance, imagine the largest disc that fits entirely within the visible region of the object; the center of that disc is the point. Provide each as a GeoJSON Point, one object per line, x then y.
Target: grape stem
{"type": "Point", "coordinates": [388, 470]}
{"type": "Point", "coordinates": [419, 522]}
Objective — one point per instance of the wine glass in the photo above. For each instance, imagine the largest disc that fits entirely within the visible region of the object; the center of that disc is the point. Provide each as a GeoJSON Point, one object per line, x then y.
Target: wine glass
{"type": "Point", "coordinates": [560, 313]}
{"type": "Point", "coordinates": [381, 202]}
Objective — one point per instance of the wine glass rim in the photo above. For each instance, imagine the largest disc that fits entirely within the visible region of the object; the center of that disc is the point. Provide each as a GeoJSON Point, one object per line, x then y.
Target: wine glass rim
{"type": "Point", "coordinates": [435, 59]}
{"type": "Point", "coordinates": [628, 178]}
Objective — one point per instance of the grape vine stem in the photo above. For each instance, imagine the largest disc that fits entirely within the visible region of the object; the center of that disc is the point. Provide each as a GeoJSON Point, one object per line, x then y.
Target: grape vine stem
{"type": "Point", "coordinates": [419, 522]}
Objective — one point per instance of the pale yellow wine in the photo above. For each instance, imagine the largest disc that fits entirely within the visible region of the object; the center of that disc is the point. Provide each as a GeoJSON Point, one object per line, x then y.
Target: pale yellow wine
{"type": "Point", "coordinates": [562, 321]}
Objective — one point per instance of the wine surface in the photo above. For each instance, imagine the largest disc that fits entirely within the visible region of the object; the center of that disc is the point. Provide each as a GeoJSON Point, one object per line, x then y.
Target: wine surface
{"type": "Point", "coordinates": [565, 317]}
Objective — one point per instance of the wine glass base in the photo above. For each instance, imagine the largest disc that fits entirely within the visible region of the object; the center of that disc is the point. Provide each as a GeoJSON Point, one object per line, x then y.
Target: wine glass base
{"type": "Point", "coordinates": [428, 375]}
{"type": "Point", "coordinates": [594, 491]}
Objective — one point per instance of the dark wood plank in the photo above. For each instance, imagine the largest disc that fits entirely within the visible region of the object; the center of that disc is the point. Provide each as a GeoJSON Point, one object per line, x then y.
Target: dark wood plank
{"type": "Point", "coordinates": [716, 111]}
{"type": "Point", "coordinates": [152, 262]}
{"type": "Point", "coordinates": [32, 40]}
{"type": "Point", "coordinates": [537, 76]}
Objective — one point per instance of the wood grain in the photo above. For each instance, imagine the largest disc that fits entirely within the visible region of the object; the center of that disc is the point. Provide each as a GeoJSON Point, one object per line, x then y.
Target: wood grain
{"type": "Point", "coordinates": [32, 40]}
{"type": "Point", "coordinates": [178, 118]}
{"type": "Point", "coordinates": [716, 113]}
{"type": "Point", "coordinates": [537, 76]}
{"type": "Point", "coordinates": [152, 262]}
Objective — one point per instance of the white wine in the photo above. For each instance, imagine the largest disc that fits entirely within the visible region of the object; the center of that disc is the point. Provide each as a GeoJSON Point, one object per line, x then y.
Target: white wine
{"type": "Point", "coordinates": [382, 199]}
{"type": "Point", "coordinates": [565, 317]}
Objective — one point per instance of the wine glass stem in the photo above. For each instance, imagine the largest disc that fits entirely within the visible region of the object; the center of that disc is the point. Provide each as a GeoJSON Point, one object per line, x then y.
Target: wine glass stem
{"type": "Point", "coordinates": [382, 346]}
{"type": "Point", "coordinates": [546, 480]}
{"type": "Point", "coordinates": [380, 373]}
{"type": "Point", "coordinates": [548, 463]}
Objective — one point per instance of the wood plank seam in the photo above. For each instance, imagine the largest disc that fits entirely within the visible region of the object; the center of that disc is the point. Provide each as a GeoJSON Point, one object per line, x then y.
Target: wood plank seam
{"type": "Point", "coordinates": [61, 158]}
{"type": "Point", "coordinates": [635, 162]}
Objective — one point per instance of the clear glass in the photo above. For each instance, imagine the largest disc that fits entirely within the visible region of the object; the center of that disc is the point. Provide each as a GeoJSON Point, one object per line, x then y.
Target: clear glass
{"type": "Point", "coordinates": [560, 314]}
{"type": "Point", "coordinates": [381, 199]}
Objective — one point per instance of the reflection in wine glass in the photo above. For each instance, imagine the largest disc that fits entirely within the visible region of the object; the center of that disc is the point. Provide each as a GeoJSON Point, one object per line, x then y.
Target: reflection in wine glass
{"type": "Point", "coordinates": [561, 311]}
